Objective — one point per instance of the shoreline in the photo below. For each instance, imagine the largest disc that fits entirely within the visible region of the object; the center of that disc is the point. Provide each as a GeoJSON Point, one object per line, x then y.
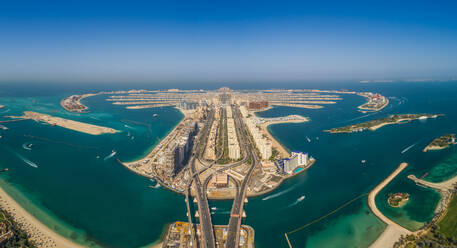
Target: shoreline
{"type": "Point", "coordinates": [393, 231]}
{"type": "Point", "coordinates": [283, 152]}
{"type": "Point", "coordinates": [40, 234]}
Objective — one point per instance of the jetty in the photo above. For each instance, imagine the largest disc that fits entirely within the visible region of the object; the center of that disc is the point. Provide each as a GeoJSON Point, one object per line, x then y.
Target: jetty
{"type": "Point", "coordinates": [442, 186]}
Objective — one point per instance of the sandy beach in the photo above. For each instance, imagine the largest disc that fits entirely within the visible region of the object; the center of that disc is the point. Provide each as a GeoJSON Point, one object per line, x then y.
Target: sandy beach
{"type": "Point", "coordinates": [40, 234]}
{"type": "Point", "coordinates": [275, 144]}
{"type": "Point", "coordinates": [393, 231]}
{"type": "Point", "coordinates": [65, 123]}
{"type": "Point", "coordinates": [374, 128]}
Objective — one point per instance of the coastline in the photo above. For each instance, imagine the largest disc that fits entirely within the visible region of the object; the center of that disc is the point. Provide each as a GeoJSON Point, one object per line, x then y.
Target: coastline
{"type": "Point", "coordinates": [393, 231]}
{"type": "Point", "coordinates": [283, 152]}
{"type": "Point", "coordinates": [40, 234]}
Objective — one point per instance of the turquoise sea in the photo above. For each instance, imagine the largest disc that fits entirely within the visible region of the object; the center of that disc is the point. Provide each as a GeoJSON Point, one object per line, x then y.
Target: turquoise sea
{"type": "Point", "coordinates": [83, 193]}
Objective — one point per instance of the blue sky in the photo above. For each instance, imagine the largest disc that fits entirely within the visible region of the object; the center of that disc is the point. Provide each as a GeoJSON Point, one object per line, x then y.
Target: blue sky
{"type": "Point", "coordinates": [226, 41]}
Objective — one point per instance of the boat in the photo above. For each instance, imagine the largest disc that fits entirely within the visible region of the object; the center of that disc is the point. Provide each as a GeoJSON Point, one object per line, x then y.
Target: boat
{"type": "Point", "coordinates": [3, 127]}
{"type": "Point", "coordinates": [6, 169]}
{"type": "Point", "coordinates": [155, 115]}
{"type": "Point", "coordinates": [317, 138]}
{"type": "Point", "coordinates": [98, 156]}
{"type": "Point", "coordinates": [363, 161]}
{"type": "Point", "coordinates": [308, 139]}
{"type": "Point", "coordinates": [213, 208]}
{"type": "Point", "coordinates": [301, 198]}
{"type": "Point", "coordinates": [423, 117]}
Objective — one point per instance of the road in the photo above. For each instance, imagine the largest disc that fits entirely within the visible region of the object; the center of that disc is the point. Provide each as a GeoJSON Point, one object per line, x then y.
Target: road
{"type": "Point", "coordinates": [246, 145]}
{"type": "Point", "coordinates": [236, 215]}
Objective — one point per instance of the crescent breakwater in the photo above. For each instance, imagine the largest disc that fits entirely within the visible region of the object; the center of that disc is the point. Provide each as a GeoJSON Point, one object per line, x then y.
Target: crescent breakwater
{"type": "Point", "coordinates": [394, 231]}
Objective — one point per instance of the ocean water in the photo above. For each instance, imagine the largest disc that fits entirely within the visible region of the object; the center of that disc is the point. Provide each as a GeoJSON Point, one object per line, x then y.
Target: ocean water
{"type": "Point", "coordinates": [77, 187]}
{"type": "Point", "coordinates": [99, 203]}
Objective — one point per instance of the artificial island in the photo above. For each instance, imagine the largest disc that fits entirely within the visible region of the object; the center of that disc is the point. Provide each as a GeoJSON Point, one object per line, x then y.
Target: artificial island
{"type": "Point", "coordinates": [441, 142]}
{"type": "Point", "coordinates": [221, 150]}
{"type": "Point", "coordinates": [398, 200]}
{"type": "Point", "coordinates": [378, 123]}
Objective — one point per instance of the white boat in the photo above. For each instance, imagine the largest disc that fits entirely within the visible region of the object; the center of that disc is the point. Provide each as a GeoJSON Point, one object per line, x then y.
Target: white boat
{"type": "Point", "coordinates": [363, 161]}
{"type": "Point", "coordinates": [301, 198]}
{"type": "Point", "coordinates": [308, 139]}
{"type": "Point", "coordinates": [155, 115]}
{"type": "Point", "coordinates": [213, 208]}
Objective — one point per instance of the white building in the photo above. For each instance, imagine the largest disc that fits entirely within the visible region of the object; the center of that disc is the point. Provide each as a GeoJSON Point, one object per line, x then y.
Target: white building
{"type": "Point", "coordinates": [261, 142]}
{"type": "Point", "coordinates": [233, 145]}
{"type": "Point", "coordinates": [296, 159]}
{"type": "Point", "coordinates": [302, 157]}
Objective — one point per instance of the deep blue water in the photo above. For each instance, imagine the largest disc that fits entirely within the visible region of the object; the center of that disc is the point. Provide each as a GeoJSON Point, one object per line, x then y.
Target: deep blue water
{"type": "Point", "coordinates": [99, 202]}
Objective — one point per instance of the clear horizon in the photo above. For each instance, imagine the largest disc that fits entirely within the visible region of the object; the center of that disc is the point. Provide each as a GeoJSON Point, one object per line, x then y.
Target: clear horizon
{"type": "Point", "coordinates": [177, 42]}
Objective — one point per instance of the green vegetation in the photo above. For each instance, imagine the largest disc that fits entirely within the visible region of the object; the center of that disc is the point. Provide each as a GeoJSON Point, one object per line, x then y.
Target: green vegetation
{"type": "Point", "coordinates": [393, 119]}
{"type": "Point", "coordinates": [431, 238]}
{"type": "Point", "coordinates": [443, 234]}
{"type": "Point", "coordinates": [448, 225]}
{"type": "Point", "coordinates": [274, 153]}
{"type": "Point", "coordinates": [225, 159]}
{"type": "Point", "coordinates": [441, 142]}
{"type": "Point", "coordinates": [397, 200]}
{"type": "Point", "coordinates": [10, 233]}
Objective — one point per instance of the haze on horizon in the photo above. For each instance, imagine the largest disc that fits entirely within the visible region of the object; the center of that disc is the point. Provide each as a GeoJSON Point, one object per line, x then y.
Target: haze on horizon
{"type": "Point", "coordinates": [232, 41]}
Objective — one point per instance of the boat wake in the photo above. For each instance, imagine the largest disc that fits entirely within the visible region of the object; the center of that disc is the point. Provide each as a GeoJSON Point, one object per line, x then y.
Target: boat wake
{"type": "Point", "coordinates": [300, 199]}
{"type": "Point", "coordinates": [6, 111]}
{"type": "Point", "coordinates": [409, 147]}
{"type": "Point", "coordinates": [127, 126]}
{"type": "Point", "coordinates": [155, 186]}
{"type": "Point", "coordinates": [277, 194]}
{"type": "Point", "coordinates": [32, 164]}
{"type": "Point", "coordinates": [27, 146]}
{"type": "Point", "coordinates": [360, 117]}
{"type": "Point", "coordinates": [222, 212]}
{"type": "Point", "coordinates": [110, 156]}
{"type": "Point", "coordinates": [25, 160]}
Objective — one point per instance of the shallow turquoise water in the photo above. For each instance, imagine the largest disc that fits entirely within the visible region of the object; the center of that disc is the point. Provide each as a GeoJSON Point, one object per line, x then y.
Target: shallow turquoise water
{"type": "Point", "coordinates": [99, 202]}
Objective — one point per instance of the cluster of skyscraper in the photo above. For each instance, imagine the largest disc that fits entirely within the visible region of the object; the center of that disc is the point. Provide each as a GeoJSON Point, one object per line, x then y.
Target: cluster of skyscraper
{"type": "Point", "coordinates": [178, 151]}
{"type": "Point", "coordinates": [210, 151]}
{"type": "Point", "coordinates": [233, 145]}
{"type": "Point", "coordinates": [260, 140]}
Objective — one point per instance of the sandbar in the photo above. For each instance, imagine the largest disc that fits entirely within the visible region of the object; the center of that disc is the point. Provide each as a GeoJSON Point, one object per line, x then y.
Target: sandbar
{"type": "Point", "coordinates": [65, 123]}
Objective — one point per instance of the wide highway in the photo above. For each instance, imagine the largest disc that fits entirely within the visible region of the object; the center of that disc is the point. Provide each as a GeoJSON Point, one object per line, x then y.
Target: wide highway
{"type": "Point", "coordinates": [236, 215]}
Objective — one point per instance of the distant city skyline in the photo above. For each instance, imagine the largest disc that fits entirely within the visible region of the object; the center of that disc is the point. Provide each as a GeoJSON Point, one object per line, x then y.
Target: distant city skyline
{"type": "Point", "coordinates": [233, 41]}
